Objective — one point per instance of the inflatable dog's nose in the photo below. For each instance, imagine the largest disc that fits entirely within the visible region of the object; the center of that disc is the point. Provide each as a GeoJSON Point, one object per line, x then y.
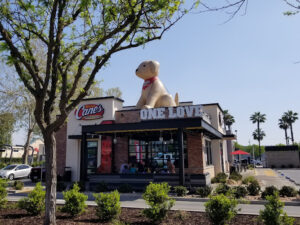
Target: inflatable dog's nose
{"type": "Point", "coordinates": [136, 70]}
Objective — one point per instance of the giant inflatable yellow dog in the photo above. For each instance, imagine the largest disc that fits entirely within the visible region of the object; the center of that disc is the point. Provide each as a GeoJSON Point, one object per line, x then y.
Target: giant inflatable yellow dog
{"type": "Point", "coordinates": [154, 94]}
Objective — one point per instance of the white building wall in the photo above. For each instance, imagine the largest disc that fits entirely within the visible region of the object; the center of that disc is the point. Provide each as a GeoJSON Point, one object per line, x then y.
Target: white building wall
{"type": "Point", "coordinates": [74, 126]}
{"type": "Point", "coordinates": [215, 112]}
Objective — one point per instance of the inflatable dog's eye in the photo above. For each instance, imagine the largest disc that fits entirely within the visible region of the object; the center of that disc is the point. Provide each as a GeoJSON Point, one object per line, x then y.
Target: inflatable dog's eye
{"type": "Point", "coordinates": [144, 65]}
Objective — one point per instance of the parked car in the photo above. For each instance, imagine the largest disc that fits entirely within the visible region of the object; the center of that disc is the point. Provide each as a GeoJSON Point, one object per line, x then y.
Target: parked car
{"type": "Point", "coordinates": [15, 171]}
{"type": "Point", "coordinates": [162, 158]}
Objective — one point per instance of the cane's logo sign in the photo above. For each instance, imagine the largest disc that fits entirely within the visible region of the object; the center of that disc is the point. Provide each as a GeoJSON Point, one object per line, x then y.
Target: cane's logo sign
{"type": "Point", "coordinates": [89, 112]}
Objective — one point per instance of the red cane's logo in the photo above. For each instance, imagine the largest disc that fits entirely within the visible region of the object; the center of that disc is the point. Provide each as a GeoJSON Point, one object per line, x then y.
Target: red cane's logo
{"type": "Point", "coordinates": [89, 112]}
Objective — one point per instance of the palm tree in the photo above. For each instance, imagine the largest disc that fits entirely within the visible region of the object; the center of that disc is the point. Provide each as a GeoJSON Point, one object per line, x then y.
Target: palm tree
{"type": "Point", "coordinates": [258, 134]}
{"type": "Point", "coordinates": [258, 118]}
{"type": "Point", "coordinates": [228, 119]}
{"type": "Point", "coordinates": [291, 117]}
{"type": "Point", "coordinates": [284, 125]}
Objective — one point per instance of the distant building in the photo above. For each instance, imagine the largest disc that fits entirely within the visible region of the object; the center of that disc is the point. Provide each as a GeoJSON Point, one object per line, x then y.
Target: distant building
{"type": "Point", "coordinates": [36, 145]}
{"type": "Point", "coordinates": [282, 156]}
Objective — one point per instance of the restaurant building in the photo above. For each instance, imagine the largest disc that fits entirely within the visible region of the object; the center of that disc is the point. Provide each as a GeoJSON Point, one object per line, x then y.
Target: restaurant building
{"type": "Point", "coordinates": [102, 137]}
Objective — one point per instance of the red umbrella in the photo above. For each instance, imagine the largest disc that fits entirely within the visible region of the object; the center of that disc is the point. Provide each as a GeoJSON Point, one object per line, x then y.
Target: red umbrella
{"type": "Point", "coordinates": [239, 152]}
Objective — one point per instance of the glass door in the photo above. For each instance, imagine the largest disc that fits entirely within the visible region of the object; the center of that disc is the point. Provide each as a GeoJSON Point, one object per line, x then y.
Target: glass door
{"type": "Point", "coordinates": [92, 149]}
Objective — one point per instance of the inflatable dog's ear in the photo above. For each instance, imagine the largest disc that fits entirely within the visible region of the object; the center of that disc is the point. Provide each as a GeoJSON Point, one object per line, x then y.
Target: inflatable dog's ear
{"type": "Point", "coordinates": [154, 67]}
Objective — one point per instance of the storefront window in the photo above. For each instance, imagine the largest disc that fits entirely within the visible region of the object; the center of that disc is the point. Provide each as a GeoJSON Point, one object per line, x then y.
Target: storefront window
{"type": "Point", "coordinates": [92, 148]}
{"type": "Point", "coordinates": [208, 155]}
{"type": "Point", "coordinates": [153, 155]}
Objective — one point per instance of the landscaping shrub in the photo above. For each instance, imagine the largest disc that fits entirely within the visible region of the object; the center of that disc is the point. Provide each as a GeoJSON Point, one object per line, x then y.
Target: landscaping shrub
{"type": "Point", "coordinates": [156, 196]}
{"type": "Point", "coordinates": [248, 180]}
{"type": "Point", "coordinates": [273, 213]}
{"type": "Point", "coordinates": [220, 178]}
{"type": "Point", "coordinates": [3, 183]}
{"type": "Point", "coordinates": [204, 191]}
{"type": "Point", "coordinates": [288, 191]}
{"type": "Point", "coordinates": [18, 185]}
{"type": "Point", "coordinates": [235, 176]}
{"type": "Point", "coordinates": [239, 192]}
{"type": "Point", "coordinates": [74, 201]}
{"type": "Point", "coordinates": [250, 167]}
{"type": "Point", "coordinates": [102, 187]}
{"type": "Point", "coordinates": [253, 188]}
{"type": "Point", "coordinates": [270, 190]}
{"type": "Point", "coordinates": [34, 204]}
{"type": "Point", "coordinates": [222, 189]}
{"type": "Point", "coordinates": [180, 190]}
{"type": "Point", "coordinates": [81, 185]}
{"type": "Point", "coordinates": [282, 166]}
{"type": "Point", "coordinates": [214, 180]}
{"type": "Point", "coordinates": [221, 209]}
{"type": "Point", "coordinates": [108, 205]}
{"type": "Point", "coordinates": [61, 186]}
{"type": "Point", "coordinates": [3, 193]}
{"type": "Point", "coordinates": [125, 188]}
{"type": "Point", "coordinates": [40, 163]}
{"type": "Point", "coordinates": [291, 166]}
{"type": "Point", "coordinates": [193, 190]}
{"type": "Point", "coordinates": [2, 165]}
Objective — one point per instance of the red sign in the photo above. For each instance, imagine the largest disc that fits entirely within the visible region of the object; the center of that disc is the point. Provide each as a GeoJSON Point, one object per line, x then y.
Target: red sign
{"type": "Point", "coordinates": [89, 112]}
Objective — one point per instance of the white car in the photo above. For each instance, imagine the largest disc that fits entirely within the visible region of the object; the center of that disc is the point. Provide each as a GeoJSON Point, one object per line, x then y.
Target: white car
{"type": "Point", "coordinates": [163, 157]}
{"type": "Point", "coordinates": [15, 171]}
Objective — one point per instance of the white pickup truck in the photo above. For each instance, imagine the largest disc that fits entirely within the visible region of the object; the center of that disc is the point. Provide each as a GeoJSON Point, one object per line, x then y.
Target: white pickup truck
{"type": "Point", "coordinates": [163, 157]}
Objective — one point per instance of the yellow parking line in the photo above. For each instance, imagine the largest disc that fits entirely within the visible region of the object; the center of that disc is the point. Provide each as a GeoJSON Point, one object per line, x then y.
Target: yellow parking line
{"type": "Point", "coordinates": [270, 173]}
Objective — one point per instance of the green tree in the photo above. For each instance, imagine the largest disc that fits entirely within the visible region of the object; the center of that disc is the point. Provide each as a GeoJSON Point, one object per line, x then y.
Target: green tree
{"type": "Point", "coordinates": [7, 122]}
{"type": "Point", "coordinates": [116, 92]}
{"type": "Point", "coordinates": [83, 34]}
{"type": "Point", "coordinates": [249, 148]}
{"type": "Point", "coordinates": [16, 99]}
{"type": "Point", "coordinates": [290, 118]}
{"type": "Point", "coordinates": [228, 119]}
{"type": "Point", "coordinates": [258, 135]}
{"type": "Point", "coordinates": [284, 125]}
{"type": "Point", "coordinates": [258, 118]}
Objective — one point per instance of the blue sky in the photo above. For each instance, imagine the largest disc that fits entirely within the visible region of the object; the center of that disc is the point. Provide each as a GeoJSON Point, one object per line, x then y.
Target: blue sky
{"type": "Point", "coordinates": [246, 65]}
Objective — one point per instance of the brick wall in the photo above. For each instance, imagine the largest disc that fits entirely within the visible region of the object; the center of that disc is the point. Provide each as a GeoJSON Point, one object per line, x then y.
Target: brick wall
{"type": "Point", "coordinates": [61, 145]}
{"type": "Point", "coordinates": [195, 154]}
{"type": "Point", "coordinates": [121, 152]}
{"type": "Point", "coordinates": [130, 116]}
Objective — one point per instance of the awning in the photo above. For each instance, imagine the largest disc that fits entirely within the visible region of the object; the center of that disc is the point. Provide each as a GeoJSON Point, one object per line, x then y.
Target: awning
{"type": "Point", "coordinates": [155, 125]}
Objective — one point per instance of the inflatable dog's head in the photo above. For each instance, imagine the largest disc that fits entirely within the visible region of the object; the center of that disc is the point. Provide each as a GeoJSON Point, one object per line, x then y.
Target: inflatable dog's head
{"type": "Point", "coordinates": [147, 69]}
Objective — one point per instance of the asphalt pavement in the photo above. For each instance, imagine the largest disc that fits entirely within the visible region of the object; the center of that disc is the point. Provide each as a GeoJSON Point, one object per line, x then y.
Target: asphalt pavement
{"type": "Point", "coordinates": [292, 175]}
{"type": "Point", "coordinates": [268, 177]}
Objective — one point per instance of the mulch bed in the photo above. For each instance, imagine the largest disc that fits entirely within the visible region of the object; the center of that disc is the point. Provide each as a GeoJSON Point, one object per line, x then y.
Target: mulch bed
{"type": "Point", "coordinates": [128, 216]}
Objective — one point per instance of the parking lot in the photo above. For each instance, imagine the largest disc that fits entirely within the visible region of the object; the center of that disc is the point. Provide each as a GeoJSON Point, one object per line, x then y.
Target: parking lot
{"type": "Point", "coordinates": [291, 174]}
{"type": "Point", "coordinates": [268, 177]}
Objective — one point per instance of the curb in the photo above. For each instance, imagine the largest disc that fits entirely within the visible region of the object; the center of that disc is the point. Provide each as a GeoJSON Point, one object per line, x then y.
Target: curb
{"type": "Point", "coordinates": [256, 202]}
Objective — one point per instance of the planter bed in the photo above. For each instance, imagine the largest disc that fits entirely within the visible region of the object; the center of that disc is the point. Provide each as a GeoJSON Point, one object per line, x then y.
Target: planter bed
{"type": "Point", "coordinates": [128, 216]}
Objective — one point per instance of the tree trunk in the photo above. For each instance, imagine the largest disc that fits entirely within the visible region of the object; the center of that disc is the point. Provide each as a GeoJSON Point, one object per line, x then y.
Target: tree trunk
{"type": "Point", "coordinates": [25, 154]}
{"type": "Point", "coordinates": [11, 154]}
{"type": "Point", "coordinates": [51, 179]}
{"type": "Point", "coordinates": [259, 150]}
{"type": "Point", "coordinates": [292, 134]}
{"type": "Point", "coordinates": [286, 137]}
